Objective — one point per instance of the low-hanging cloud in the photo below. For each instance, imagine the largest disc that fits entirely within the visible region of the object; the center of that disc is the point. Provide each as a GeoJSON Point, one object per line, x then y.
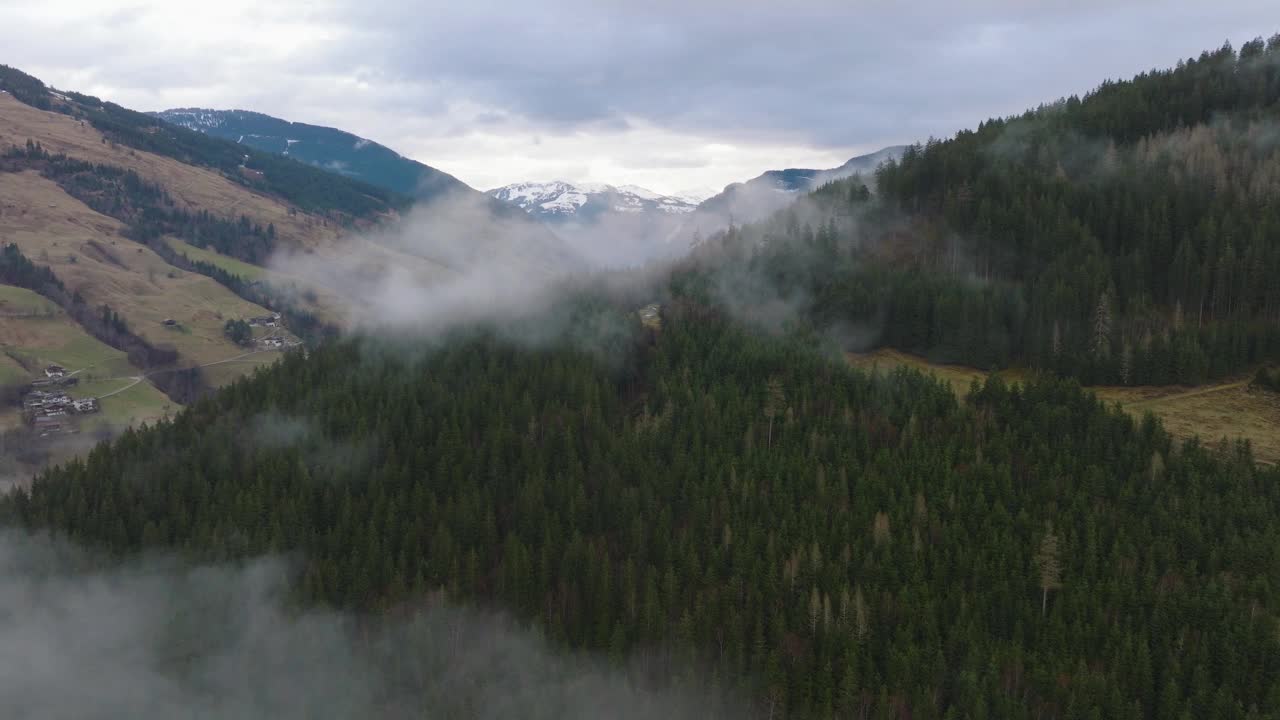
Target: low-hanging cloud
{"type": "Point", "coordinates": [463, 258]}
{"type": "Point", "coordinates": [460, 257]}
{"type": "Point", "coordinates": [159, 638]}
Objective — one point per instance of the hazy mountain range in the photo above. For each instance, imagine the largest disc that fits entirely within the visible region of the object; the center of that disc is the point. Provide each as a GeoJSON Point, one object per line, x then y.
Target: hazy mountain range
{"type": "Point", "coordinates": [603, 224]}
{"type": "Point", "coordinates": [556, 202]}
{"type": "Point", "coordinates": [775, 189]}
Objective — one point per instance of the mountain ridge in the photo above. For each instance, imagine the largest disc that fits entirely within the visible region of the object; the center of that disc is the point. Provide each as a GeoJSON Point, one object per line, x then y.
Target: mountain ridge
{"type": "Point", "coordinates": [774, 189]}
{"type": "Point", "coordinates": [332, 149]}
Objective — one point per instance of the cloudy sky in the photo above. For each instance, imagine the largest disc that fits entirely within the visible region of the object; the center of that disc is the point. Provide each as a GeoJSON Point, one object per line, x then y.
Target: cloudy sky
{"type": "Point", "coordinates": [671, 95]}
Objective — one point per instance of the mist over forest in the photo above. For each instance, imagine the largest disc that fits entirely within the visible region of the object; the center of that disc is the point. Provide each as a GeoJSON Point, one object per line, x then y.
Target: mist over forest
{"type": "Point", "coordinates": [913, 442]}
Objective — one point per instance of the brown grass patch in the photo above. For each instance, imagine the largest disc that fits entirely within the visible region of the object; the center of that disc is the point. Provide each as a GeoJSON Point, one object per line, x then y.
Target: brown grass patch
{"type": "Point", "coordinates": [1212, 412]}
{"type": "Point", "coordinates": [191, 186]}
{"type": "Point", "coordinates": [90, 255]}
{"type": "Point", "coordinates": [196, 188]}
{"type": "Point", "coordinates": [958, 376]}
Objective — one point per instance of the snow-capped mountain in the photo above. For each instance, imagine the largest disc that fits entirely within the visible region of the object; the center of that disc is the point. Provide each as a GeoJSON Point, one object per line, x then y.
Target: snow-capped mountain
{"type": "Point", "coordinates": [560, 201]}
{"type": "Point", "coordinates": [607, 225]}
{"type": "Point", "coordinates": [614, 225]}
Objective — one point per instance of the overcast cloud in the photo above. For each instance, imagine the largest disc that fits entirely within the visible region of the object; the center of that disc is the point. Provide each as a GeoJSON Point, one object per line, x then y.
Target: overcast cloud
{"type": "Point", "coordinates": [665, 94]}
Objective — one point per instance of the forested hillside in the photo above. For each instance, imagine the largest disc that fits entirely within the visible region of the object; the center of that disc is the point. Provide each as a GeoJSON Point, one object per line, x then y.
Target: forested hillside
{"type": "Point", "coordinates": [1131, 236]}
{"type": "Point", "coordinates": [743, 508]}
{"type": "Point", "coordinates": [1143, 218]}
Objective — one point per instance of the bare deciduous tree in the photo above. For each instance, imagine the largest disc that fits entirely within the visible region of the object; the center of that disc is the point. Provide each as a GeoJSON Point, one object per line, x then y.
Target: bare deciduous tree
{"type": "Point", "coordinates": [1049, 564]}
{"type": "Point", "coordinates": [774, 402]}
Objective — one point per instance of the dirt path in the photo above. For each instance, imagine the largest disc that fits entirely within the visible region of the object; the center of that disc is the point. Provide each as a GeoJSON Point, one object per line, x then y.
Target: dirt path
{"type": "Point", "coordinates": [219, 362]}
{"type": "Point", "coordinates": [1187, 394]}
{"type": "Point", "coordinates": [139, 378]}
{"type": "Point", "coordinates": [136, 379]}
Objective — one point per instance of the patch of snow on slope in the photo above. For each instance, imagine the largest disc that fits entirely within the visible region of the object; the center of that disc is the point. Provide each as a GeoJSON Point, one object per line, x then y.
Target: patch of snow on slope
{"type": "Point", "coordinates": [193, 118]}
{"type": "Point", "coordinates": [565, 202]}
{"type": "Point", "coordinates": [695, 195]}
{"type": "Point", "coordinates": [640, 192]}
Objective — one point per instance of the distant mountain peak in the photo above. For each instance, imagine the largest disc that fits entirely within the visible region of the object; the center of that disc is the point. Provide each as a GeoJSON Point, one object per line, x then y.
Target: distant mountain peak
{"type": "Point", "coordinates": [560, 200]}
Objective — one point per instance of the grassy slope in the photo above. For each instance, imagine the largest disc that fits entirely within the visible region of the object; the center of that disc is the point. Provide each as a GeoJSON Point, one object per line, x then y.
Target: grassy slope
{"type": "Point", "coordinates": [11, 372]}
{"type": "Point", "coordinates": [16, 304]}
{"type": "Point", "coordinates": [132, 404]}
{"type": "Point", "coordinates": [47, 336]}
{"type": "Point", "coordinates": [39, 333]}
{"type": "Point", "coordinates": [192, 187]}
{"type": "Point", "coordinates": [251, 273]}
{"type": "Point", "coordinates": [320, 301]}
{"type": "Point", "coordinates": [316, 239]}
{"type": "Point", "coordinates": [1212, 412]}
{"type": "Point", "coordinates": [199, 188]}
{"type": "Point", "coordinates": [51, 227]}
{"type": "Point", "coordinates": [20, 300]}
{"type": "Point", "coordinates": [89, 254]}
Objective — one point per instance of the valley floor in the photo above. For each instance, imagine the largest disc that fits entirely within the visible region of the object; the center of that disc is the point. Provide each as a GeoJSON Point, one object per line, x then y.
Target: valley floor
{"type": "Point", "coordinates": [1212, 412]}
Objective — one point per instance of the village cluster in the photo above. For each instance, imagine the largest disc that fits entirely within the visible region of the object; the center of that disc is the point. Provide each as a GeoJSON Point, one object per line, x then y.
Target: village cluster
{"type": "Point", "coordinates": [46, 406]}
{"type": "Point", "coordinates": [272, 342]}
{"type": "Point", "coordinates": [265, 320]}
{"type": "Point", "coordinates": [276, 343]}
